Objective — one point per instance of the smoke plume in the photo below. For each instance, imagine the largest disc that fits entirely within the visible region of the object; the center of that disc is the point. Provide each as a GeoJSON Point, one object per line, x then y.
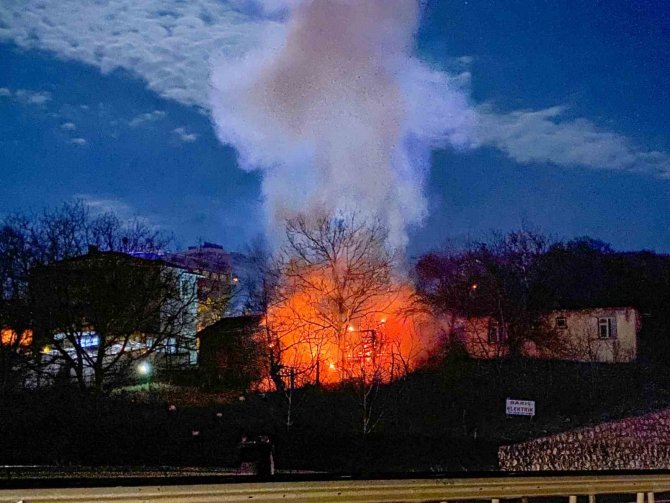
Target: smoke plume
{"type": "Point", "coordinates": [338, 114]}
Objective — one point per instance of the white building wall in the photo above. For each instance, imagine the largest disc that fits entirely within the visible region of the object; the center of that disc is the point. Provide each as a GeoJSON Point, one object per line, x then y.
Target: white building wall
{"type": "Point", "coordinates": [607, 335]}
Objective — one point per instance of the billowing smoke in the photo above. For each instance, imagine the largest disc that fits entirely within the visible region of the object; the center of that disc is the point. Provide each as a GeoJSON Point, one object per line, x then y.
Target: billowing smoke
{"type": "Point", "coordinates": [338, 114]}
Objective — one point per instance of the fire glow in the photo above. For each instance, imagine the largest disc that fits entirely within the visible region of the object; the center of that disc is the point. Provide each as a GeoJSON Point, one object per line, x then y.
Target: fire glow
{"type": "Point", "coordinates": [383, 341]}
{"type": "Point", "coordinates": [9, 337]}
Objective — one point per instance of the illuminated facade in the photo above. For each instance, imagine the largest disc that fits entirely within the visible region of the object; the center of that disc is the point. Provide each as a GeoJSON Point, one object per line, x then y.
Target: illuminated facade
{"type": "Point", "coordinates": [156, 307]}
{"type": "Point", "coordinates": [606, 335]}
{"type": "Point", "coordinates": [215, 280]}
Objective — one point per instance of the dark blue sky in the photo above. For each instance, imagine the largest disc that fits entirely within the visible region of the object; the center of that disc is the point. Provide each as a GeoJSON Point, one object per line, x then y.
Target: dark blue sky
{"type": "Point", "coordinates": [76, 122]}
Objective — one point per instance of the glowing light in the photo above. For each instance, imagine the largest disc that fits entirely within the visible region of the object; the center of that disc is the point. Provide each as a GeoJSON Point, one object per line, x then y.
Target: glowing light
{"type": "Point", "coordinates": [474, 286]}
{"type": "Point", "coordinates": [144, 368]}
{"type": "Point", "coordinates": [235, 279]}
{"type": "Point", "coordinates": [46, 349]}
{"type": "Point", "coordinates": [370, 340]}
{"type": "Point", "coordinates": [9, 337]}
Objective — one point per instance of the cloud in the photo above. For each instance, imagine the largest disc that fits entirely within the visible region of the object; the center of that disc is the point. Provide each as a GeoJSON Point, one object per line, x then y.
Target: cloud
{"type": "Point", "coordinates": [32, 97]}
{"type": "Point", "coordinates": [184, 136]}
{"type": "Point", "coordinates": [336, 112]}
{"type": "Point", "coordinates": [168, 43]}
{"type": "Point", "coordinates": [68, 126]}
{"type": "Point", "coordinates": [78, 141]}
{"type": "Point", "coordinates": [26, 96]}
{"type": "Point", "coordinates": [147, 117]}
{"type": "Point", "coordinates": [98, 205]}
{"type": "Point", "coordinates": [125, 212]}
{"type": "Point", "coordinates": [547, 136]}
{"type": "Point", "coordinates": [172, 44]}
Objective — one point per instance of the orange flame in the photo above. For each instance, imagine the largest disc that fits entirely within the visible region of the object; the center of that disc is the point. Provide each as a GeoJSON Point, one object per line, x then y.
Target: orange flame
{"type": "Point", "coordinates": [9, 337]}
{"type": "Point", "coordinates": [316, 343]}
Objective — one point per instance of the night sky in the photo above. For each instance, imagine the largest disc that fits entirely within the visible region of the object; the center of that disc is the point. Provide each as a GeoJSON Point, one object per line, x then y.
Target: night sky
{"type": "Point", "coordinates": [107, 101]}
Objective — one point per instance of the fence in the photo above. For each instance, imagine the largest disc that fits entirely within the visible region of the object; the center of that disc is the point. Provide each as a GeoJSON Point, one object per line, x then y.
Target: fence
{"type": "Point", "coordinates": [641, 488]}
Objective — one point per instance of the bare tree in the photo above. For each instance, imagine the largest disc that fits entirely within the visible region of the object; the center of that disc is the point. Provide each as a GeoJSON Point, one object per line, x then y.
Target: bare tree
{"type": "Point", "coordinates": [335, 277]}
{"type": "Point", "coordinates": [68, 231]}
{"type": "Point", "coordinates": [333, 313]}
{"type": "Point", "coordinates": [60, 296]}
{"type": "Point", "coordinates": [104, 311]}
{"type": "Point", "coordinates": [499, 280]}
{"type": "Point", "coordinates": [16, 260]}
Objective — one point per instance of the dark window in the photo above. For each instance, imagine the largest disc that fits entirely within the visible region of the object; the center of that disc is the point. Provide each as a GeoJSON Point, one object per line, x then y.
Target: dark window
{"type": "Point", "coordinates": [171, 345]}
{"type": "Point", "coordinates": [606, 328]}
{"type": "Point", "coordinates": [561, 322]}
{"type": "Point", "coordinates": [185, 288]}
{"type": "Point", "coordinates": [496, 335]}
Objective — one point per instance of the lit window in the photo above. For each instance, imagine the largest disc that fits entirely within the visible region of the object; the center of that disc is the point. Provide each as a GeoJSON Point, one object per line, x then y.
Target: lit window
{"type": "Point", "coordinates": [89, 340]}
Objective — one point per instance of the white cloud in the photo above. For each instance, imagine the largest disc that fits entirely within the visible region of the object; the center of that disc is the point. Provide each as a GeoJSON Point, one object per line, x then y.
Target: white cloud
{"type": "Point", "coordinates": [171, 44]}
{"type": "Point", "coordinates": [98, 205]}
{"type": "Point", "coordinates": [185, 136]}
{"type": "Point", "coordinates": [68, 126]}
{"type": "Point", "coordinates": [168, 43]}
{"type": "Point", "coordinates": [27, 97]}
{"type": "Point", "coordinates": [78, 141]}
{"type": "Point", "coordinates": [126, 213]}
{"type": "Point", "coordinates": [147, 117]}
{"type": "Point", "coordinates": [546, 136]}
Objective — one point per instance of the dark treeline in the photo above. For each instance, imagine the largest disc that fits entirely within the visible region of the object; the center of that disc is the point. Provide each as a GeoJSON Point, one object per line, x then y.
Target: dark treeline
{"type": "Point", "coordinates": [518, 276]}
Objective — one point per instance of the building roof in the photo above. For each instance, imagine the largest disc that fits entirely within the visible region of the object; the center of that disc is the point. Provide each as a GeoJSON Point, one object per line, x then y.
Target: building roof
{"type": "Point", "coordinates": [206, 258]}
{"type": "Point", "coordinates": [230, 324]}
{"type": "Point", "coordinates": [141, 258]}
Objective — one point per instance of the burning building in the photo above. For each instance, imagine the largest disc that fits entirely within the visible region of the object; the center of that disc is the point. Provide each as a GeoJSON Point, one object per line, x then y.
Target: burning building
{"type": "Point", "coordinates": [339, 309]}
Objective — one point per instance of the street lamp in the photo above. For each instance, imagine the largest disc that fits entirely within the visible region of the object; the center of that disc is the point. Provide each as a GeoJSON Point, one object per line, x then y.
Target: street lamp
{"type": "Point", "coordinates": [144, 369]}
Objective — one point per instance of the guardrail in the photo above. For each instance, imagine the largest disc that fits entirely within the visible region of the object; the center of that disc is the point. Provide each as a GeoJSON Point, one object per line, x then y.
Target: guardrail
{"type": "Point", "coordinates": [642, 487]}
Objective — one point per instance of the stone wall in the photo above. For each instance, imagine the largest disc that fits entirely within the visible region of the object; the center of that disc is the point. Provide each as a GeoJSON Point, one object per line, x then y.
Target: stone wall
{"type": "Point", "coordinates": [633, 443]}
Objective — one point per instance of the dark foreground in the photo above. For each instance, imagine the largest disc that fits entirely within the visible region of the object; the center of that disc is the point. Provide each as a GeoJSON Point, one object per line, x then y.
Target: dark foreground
{"type": "Point", "coordinates": [448, 419]}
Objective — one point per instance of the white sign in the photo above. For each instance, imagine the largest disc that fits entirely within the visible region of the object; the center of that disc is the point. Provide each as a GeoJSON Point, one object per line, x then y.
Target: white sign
{"type": "Point", "coordinates": [519, 407]}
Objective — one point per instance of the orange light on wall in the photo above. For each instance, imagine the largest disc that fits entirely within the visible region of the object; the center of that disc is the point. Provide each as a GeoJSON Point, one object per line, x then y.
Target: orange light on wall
{"type": "Point", "coordinates": [9, 337]}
